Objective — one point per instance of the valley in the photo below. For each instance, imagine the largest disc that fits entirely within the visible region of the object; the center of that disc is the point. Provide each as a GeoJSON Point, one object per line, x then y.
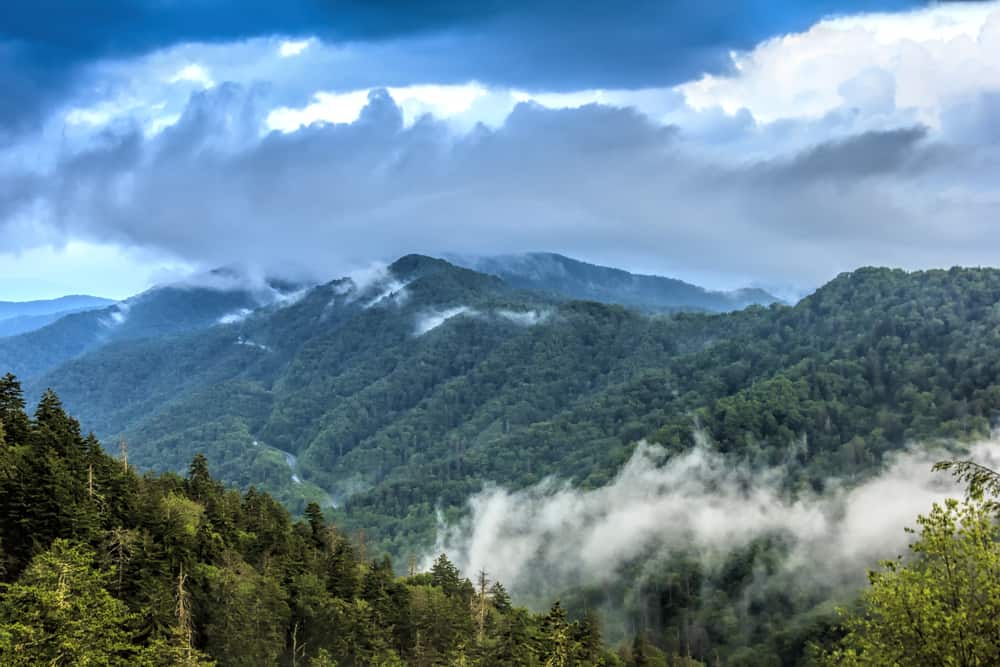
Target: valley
{"type": "Point", "coordinates": [397, 405]}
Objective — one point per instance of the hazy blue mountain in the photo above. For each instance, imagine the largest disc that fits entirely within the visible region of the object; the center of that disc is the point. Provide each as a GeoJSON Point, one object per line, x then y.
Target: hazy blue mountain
{"type": "Point", "coordinates": [171, 309]}
{"type": "Point", "coordinates": [63, 304]}
{"type": "Point", "coordinates": [557, 274]}
{"type": "Point", "coordinates": [18, 317]}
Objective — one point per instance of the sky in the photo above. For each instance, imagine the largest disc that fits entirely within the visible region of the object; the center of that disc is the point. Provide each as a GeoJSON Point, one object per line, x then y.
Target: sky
{"type": "Point", "coordinates": [748, 142]}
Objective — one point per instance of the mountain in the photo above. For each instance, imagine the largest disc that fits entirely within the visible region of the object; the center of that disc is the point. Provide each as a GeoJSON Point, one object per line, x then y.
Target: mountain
{"type": "Point", "coordinates": [22, 316]}
{"type": "Point", "coordinates": [102, 566]}
{"type": "Point", "coordinates": [63, 304]}
{"type": "Point", "coordinates": [399, 398]}
{"type": "Point", "coordinates": [556, 274]}
{"type": "Point", "coordinates": [415, 389]}
{"type": "Point", "coordinates": [160, 311]}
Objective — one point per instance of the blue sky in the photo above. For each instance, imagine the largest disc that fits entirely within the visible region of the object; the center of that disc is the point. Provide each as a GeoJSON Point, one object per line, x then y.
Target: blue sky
{"type": "Point", "coordinates": [751, 141]}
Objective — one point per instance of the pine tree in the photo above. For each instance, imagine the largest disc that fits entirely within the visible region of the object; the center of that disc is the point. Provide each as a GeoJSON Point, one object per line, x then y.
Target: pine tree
{"type": "Point", "coordinates": [200, 485]}
{"type": "Point", "coordinates": [60, 613]}
{"type": "Point", "coordinates": [342, 570]}
{"type": "Point", "coordinates": [445, 576]}
{"type": "Point", "coordinates": [317, 524]}
{"type": "Point", "coordinates": [12, 411]}
{"type": "Point", "coordinates": [499, 598]}
{"type": "Point", "coordinates": [556, 647]}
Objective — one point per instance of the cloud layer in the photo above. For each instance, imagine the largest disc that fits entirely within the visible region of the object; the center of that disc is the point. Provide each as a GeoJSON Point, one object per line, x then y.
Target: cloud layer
{"type": "Point", "coordinates": [46, 47]}
{"type": "Point", "coordinates": [796, 164]}
{"type": "Point", "coordinates": [554, 537]}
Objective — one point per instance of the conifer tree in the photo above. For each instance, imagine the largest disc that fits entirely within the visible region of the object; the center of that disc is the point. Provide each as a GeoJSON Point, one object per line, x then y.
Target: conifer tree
{"type": "Point", "coordinates": [59, 612]}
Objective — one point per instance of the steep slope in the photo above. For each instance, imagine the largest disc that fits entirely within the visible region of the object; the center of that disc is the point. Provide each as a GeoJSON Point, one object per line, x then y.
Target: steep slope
{"type": "Point", "coordinates": [159, 311]}
{"type": "Point", "coordinates": [270, 378]}
{"type": "Point", "coordinates": [407, 394]}
{"type": "Point", "coordinates": [556, 274]}
{"type": "Point", "coordinates": [17, 317]}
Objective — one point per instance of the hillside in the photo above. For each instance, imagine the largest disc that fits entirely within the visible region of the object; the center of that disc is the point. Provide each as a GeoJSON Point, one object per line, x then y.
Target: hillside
{"type": "Point", "coordinates": [398, 399]}
{"type": "Point", "coordinates": [559, 275]}
{"type": "Point", "coordinates": [18, 317]}
{"type": "Point", "coordinates": [382, 412]}
{"type": "Point", "coordinates": [63, 304]}
{"type": "Point", "coordinates": [103, 567]}
{"type": "Point", "coordinates": [160, 311]}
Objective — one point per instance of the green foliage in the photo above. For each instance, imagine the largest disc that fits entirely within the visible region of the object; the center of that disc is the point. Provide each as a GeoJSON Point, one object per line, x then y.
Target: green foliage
{"type": "Point", "coordinates": [106, 568]}
{"type": "Point", "coordinates": [942, 606]}
{"type": "Point", "coordinates": [392, 427]}
{"type": "Point", "coordinates": [60, 613]}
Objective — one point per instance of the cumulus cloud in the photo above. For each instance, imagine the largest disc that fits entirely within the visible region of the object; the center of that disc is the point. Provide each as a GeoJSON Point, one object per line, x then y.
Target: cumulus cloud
{"type": "Point", "coordinates": [925, 61]}
{"type": "Point", "coordinates": [600, 182]}
{"type": "Point", "coordinates": [538, 45]}
{"type": "Point", "coordinates": [700, 181]}
{"type": "Point", "coordinates": [555, 536]}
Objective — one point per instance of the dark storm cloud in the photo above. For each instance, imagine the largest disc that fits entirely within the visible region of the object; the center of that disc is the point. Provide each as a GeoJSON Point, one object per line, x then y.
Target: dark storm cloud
{"type": "Point", "coordinates": [542, 45]}
{"type": "Point", "coordinates": [867, 154]}
{"type": "Point", "coordinates": [599, 182]}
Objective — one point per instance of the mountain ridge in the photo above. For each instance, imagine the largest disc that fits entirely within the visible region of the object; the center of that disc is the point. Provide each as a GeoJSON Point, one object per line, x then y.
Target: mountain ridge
{"type": "Point", "coordinates": [572, 278]}
{"type": "Point", "coordinates": [17, 317]}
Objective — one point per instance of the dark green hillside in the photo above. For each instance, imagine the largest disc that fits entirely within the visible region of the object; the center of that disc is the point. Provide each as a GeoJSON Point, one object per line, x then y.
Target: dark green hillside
{"type": "Point", "coordinates": [350, 396]}
{"type": "Point", "coordinates": [100, 566]}
{"type": "Point", "coordinates": [394, 423]}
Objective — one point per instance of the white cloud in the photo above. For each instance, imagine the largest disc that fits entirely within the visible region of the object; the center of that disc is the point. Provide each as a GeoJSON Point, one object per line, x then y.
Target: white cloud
{"type": "Point", "coordinates": [525, 318]}
{"type": "Point", "coordinates": [345, 107]}
{"type": "Point", "coordinates": [555, 535]}
{"type": "Point", "coordinates": [139, 162]}
{"type": "Point", "coordinates": [290, 48]}
{"type": "Point", "coordinates": [432, 319]}
{"type": "Point", "coordinates": [325, 107]}
{"type": "Point", "coordinates": [235, 316]}
{"type": "Point", "coordinates": [194, 73]}
{"type": "Point", "coordinates": [923, 60]}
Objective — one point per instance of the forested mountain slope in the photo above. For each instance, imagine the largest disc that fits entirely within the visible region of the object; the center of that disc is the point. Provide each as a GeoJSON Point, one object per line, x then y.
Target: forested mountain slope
{"type": "Point", "coordinates": [401, 397]}
{"type": "Point", "coordinates": [556, 274]}
{"type": "Point", "coordinates": [392, 418]}
{"type": "Point", "coordinates": [160, 311]}
{"type": "Point", "coordinates": [18, 317]}
{"type": "Point", "coordinates": [100, 566]}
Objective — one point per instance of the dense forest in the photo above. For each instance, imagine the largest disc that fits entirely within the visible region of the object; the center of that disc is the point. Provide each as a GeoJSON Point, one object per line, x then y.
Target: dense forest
{"type": "Point", "coordinates": [101, 566]}
{"type": "Point", "coordinates": [346, 400]}
{"type": "Point", "coordinates": [392, 425]}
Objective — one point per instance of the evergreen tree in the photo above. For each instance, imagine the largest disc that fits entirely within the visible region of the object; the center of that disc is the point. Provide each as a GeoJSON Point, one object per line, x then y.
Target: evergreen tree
{"type": "Point", "coordinates": [60, 613]}
{"type": "Point", "coordinates": [445, 576]}
{"type": "Point", "coordinates": [317, 523]}
{"type": "Point", "coordinates": [12, 411]}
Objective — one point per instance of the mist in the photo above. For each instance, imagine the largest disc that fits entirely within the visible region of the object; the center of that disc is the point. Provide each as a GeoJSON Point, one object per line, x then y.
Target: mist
{"type": "Point", "coordinates": [553, 537]}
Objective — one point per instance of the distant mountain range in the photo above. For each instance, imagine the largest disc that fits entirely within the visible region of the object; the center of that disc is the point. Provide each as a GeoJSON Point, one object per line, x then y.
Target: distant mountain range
{"type": "Point", "coordinates": [219, 296]}
{"type": "Point", "coordinates": [391, 400]}
{"type": "Point", "coordinates": [557, 274]}
{"type": "Point", "coordinates": [39, 335]}
{"type": "Point", "coordinates": [417, 385]}
{"type": "Point", "coordinates": [22, 316]}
